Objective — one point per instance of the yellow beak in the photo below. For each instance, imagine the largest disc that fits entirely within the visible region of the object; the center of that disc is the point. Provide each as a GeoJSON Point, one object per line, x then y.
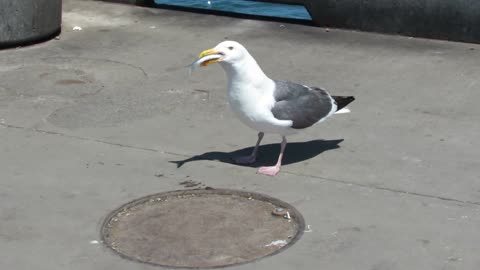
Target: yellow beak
{"type": "Point", "coordinates": [206, 53]}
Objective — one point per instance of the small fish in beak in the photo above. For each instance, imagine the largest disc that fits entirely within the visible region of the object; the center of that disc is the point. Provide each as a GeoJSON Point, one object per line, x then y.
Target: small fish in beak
{"type": "Point", "coordinates": [206, 58]}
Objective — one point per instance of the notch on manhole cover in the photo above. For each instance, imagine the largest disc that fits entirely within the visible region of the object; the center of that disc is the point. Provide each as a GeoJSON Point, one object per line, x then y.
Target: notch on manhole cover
{"type": "Point", "coordinates": [202, 228]}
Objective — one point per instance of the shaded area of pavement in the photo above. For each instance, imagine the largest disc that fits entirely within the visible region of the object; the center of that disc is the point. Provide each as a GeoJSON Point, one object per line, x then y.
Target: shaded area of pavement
{"type": "Point", "coordinates": [297, 152]}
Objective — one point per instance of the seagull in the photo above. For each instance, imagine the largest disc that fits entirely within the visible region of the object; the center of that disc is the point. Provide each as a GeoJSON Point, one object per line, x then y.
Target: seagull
{"type": "Point", "coordinates": [266, 105]}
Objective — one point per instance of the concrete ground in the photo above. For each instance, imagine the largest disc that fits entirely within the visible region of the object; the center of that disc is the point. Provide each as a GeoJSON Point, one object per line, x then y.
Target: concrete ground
{"type": "Point", "coordinates": [97, 117]}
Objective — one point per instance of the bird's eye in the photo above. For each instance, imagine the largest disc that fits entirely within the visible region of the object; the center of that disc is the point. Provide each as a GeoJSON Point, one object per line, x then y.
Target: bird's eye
{"type": "Point", "coordinates": [230, 48]}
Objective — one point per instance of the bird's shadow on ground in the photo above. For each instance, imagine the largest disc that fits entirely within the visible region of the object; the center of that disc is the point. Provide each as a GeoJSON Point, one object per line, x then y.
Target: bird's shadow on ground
{"type": "Point", "coordinates": [268, 154]}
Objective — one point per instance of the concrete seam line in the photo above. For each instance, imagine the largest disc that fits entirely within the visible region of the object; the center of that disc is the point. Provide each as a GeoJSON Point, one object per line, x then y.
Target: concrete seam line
{"type": "Point", "coordinates": [417, 194]}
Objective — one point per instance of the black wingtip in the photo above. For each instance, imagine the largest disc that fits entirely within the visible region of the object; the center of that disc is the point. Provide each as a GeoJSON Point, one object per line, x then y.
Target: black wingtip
{"type": "Point", "coordinates": [343, 101]}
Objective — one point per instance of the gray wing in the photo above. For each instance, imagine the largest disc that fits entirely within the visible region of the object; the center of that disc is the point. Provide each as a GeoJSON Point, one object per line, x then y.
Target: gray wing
{"type": "Point", "coordinates": [303, 105]}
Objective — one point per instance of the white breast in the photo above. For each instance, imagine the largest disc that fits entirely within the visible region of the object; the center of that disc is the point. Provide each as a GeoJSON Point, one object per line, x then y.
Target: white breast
{"type": "Point", "coordinates": [250, 94]}
{"type": "Point", "coordinates": [252, 105]}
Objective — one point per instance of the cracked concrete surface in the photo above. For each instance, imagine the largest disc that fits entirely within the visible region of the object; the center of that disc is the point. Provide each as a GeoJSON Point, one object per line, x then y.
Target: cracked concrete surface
{"type": "Point", "coordinates": [102, 116]}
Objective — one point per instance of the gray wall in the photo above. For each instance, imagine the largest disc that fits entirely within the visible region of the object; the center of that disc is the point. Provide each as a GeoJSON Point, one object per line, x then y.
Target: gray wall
{"type": "Point", "coordinates": [28, 21]}
{"type": "Point", "coordinates": [441, 19]}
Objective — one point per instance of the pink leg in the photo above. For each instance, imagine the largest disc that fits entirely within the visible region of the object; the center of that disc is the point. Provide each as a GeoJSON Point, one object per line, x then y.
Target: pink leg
{"type": "Point", "coordinates": [253, 156]}
{"type": "Point", "coordinates": [273, 170]}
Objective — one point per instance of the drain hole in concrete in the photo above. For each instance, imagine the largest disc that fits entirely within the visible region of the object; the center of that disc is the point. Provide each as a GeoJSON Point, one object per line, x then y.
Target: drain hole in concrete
{"type": "Point", "coordinates": [202, 228]}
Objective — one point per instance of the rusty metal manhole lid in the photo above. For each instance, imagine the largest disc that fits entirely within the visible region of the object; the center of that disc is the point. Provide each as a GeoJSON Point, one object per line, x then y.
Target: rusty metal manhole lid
{"type": "Point", "coordinates": [202, 228]}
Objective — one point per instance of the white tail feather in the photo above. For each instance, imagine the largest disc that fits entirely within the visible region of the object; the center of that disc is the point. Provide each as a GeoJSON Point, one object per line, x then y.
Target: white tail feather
{"type": "Point", "coordinates": [343, 110]}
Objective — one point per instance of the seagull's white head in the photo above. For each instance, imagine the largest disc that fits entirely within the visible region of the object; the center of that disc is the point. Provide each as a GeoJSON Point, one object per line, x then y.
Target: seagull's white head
{"type": "Point", "coordinates": [238, 64]}
{"type": "Point", "coordinates": [228, 51]}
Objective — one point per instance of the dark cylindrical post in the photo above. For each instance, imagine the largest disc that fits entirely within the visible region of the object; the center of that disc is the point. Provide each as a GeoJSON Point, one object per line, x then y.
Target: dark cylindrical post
{"type": "Point", "coordinates": [23, 22]}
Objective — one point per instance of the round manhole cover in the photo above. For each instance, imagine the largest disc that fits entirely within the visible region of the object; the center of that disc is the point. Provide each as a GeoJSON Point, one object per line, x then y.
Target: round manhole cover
{"type": "Point", "coordinates": [202, 228]}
